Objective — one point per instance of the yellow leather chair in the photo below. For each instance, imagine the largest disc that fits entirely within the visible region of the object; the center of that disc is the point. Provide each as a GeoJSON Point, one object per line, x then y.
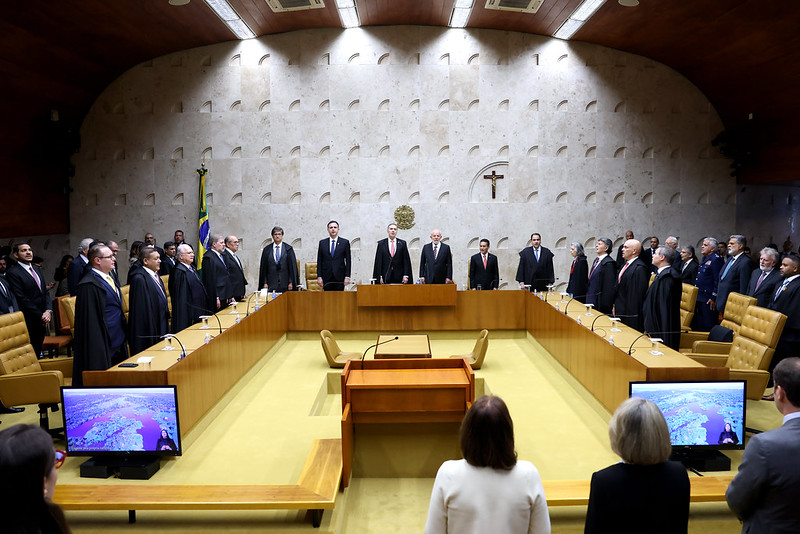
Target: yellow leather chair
{"type": "Point", "coordinates": [311, 277]}
{"type": "Point", "coordinates": [165, 280]}
{"type": "Point", "coordinates": [24, 379]}
{"type": "Point", "coordinates": [478, 354]}
{"type": "Point", "coordinates": [68, 306]}
{"type": "Point", "coordinates": [126, 300]}
{"type": "Point", "coordinates": [735, 308]}
{"type": "Point", "coordinates": [688, 300]}
{"type": "Point", "coordinates": [751, 351]}
{"type": "Point", "coordinates": [334, 355]}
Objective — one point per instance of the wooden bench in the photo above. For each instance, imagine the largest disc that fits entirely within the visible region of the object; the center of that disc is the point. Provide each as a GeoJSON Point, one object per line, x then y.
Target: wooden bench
{"type": "Point", "coordinates": [576, 492]}
{"type": "Point", "coordinates": [315, 490]}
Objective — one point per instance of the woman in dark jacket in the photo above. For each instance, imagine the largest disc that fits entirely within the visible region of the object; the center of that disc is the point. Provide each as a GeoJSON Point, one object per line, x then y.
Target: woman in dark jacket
{"type": "Point", "coordinates": [578, 273]}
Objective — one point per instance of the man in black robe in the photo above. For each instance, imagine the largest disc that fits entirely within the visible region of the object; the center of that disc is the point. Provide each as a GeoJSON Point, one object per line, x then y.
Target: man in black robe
{"type": "Point", "coordinates": [632, 283]}
{"type": "Point", "coordinates": [100, 326]}
{"type": "Point", "coordinates": [186, 291]}
{"type": "Point", "coordinates": [662, 305]}
{"type": "Point", "coordinates": [535, 265]}
{"type": "Point", "coordinates": [216, 278]}
{"type": "Point", "coordinates": [149, 314]}
{"type": "Point", "coordinates": [238, 281]}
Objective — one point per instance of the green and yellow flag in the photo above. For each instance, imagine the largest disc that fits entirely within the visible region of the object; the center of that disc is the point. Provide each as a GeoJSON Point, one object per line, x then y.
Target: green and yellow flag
{"type": "Point", "coordinates": [202, 218]}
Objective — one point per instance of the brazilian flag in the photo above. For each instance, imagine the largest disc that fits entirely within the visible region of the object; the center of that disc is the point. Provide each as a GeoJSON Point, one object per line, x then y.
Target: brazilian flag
{"type": "Point", "coordinates": [202, 218]}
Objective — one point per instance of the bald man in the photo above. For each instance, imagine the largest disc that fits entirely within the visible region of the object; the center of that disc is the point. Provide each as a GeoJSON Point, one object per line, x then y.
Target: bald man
{"type": "Point", "coordinates": [632, 280]}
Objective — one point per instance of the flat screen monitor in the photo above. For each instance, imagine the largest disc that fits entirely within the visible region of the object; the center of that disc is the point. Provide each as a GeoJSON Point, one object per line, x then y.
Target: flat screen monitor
{"type": "Point", "coordinates": [121, 420]}
{"type": "Point", "coordinates": [698, 414]}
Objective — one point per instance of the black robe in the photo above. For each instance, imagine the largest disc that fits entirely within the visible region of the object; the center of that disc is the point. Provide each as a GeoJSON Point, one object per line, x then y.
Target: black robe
{"type": "Point", "coordinates": [579, 279]}
{"type": "Point", "coordinates": [149, 315]}
{"type": "Point", "coordinates": [188, 298]}
{"type": "Point", "coordinates": [631, 290]}
{"type": "Point", "coordinates": [93, 344]}
{"type": "Point", "coordinates": [662, 308]}
{"type": "Point", "coordinates": [216, 281]}
{"type": "Point", "coordinates": [537, 274]}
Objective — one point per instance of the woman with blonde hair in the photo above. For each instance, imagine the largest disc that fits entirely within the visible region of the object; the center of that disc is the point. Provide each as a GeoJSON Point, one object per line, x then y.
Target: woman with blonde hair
{"type": "Point", "coordinates": [644, 492]}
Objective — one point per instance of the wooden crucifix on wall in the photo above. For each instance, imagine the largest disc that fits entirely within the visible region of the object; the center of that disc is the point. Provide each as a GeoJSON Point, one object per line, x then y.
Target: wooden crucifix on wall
{"type": "Point", "coordinates": [493, 177]}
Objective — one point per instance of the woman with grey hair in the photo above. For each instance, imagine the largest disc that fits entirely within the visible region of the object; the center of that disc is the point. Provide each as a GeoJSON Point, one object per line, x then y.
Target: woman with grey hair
{"type": "Point", "coordinates": [578, 273]}
{"type": "Point", "coordinates": [644, 492]}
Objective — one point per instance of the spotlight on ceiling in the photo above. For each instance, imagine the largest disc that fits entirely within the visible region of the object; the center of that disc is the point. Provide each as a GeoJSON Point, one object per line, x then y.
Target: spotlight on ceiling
{"type": "Point", "coordinates": [582, 13]}
{"type": "Point", "coordinates": [628, 3]}
{"type": "Point", "coordinates": [462, 9]}
{"type": "Point", "coordinates": [178, 2]}
{"type": "Point", "coordinates": [231, 18]}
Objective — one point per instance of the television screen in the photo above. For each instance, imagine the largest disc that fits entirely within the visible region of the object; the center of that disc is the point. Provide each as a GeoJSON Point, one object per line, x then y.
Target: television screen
{"type": "Point", "coordinates": [121, 420]}
{"type": "Point", "coordinates": [699, 414]}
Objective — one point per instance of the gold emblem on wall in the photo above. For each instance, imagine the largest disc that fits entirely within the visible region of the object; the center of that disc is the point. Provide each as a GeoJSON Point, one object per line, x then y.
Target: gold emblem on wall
{"type": "Point", "coordinates": [404, 215]}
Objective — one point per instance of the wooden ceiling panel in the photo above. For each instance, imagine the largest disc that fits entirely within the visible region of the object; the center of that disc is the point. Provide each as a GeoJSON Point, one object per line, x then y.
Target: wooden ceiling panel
{"type": "Point", "coordinates": [412, 12]}
{"type": "Point", "coordinates": [549, 17]}
{"type": "Point", "coordinates": [263, 21]}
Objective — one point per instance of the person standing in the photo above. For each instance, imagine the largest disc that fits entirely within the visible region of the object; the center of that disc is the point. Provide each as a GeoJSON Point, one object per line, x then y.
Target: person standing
{"type": "Point", "coordinates": [578, 273]}
{"type": "Point", "coordinates": [148, 318]}
{"type": "Point", "coordinates": [535, 265]}
{"type": "Point", "coordinates": [238, 280]}
{"type": "Point", "coordinates": [765, 279]}
{"type": "Point", "coordinates": [28, 285]}
{"type": "Point", "coordinates": [735, 273]}
{"type": "Point", "coordinates": [278, 271]}
{"type": "Point", "coordinates": [662, 304]}
{"type": "Point", "coordinates": [215, 275]}
{"type": "Point", "coordinates": [690, 265]}
{"type": "Point", "coordinates": [186, 291]}
{"type": "Point", "coordinates": [620, 259]}
{"type": "Point", "coordinates": [484, 273]}
{"type": "Point", "coordinates": [707, 282]}
{"type": "Point", "coordinates": [786, 299]}
{"type": "Point", "coordinates": [333, 260]}
{"type": "Point", "coordinates": [78, 266]}
{"type": "Point", "coordinates": [602, 278]}
{"type": "Point", "coordinates": [436, 261]}
{"type": "Point", "coordinates": [170, 260]}
{"type": "Point", "coordinates": [8, 302]}
{"type": "Point", "coordinates": [392, 262]}
{"type": "Point", "coordinates": [632, 282]}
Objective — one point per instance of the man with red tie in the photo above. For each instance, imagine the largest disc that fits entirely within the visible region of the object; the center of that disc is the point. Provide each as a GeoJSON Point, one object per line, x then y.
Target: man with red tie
{"type": "Point", "coordinates": [392, 262]}
{"type": "Point", "coordinates": [484, 272]}
{"type": "Point", "coordinates": [602, 278]}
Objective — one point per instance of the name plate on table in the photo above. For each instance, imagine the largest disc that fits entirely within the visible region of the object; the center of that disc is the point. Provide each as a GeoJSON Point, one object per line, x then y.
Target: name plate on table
{"type": "Point", "coordinates": [406, 295]}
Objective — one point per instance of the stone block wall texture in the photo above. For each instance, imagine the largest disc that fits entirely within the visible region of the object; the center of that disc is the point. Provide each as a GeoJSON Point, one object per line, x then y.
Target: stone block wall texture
{"type": "Point", "coordinates": [300, 128]}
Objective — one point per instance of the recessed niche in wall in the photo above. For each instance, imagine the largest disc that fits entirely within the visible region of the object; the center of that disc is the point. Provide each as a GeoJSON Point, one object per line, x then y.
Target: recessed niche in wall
{"type": "Point", "coordinates": [561, 198]}
{"type": "Point", "coordinates": [533, 198]}
{"type": "Point", "coordinates": [353, 58]}
{"type": "Point", "coordinates": [503, 152]}
{"type": "Point", "coordinates": [325, 152]}
{"type": "Point", "coordinates": [297, 243]}
{"type": "Point", "coordinates": [266, 243]}
{"type": "Point", "coordinates": [236, 106]}
{"type": "Point", "coordinates": [731, 199]}
{"type": "Point", "coordinates": [325, 198]}
{"type": "Point", "coordinates": [413, 198]}
{"type": "Point", "coordinates": [384, 59]}
{"type": "Point", "coordinates": [355, 198]}
{"type": "Point", "coordinates": [704, 198]}
{"type": "Point", "coordinates": [562, 152]}
{"type": "Point", "coordinates": [384, 152]}
{"type": "Point", "coordinates": [563, 58]}
{"type": "Point", "coordinates": [236, 153]}
{"type": "Point", "coordinates": [444, 198]}
{"type": "Point", "coordinates": [384, 198]}
{"type": "Point", "coordinates": [354, 152]}
{"type": "Point", "coordinates": [325, 105]}
{"type": "Point", "coordinates": [205, 61]}
{"type": "Point", "coordinates": [414, 105]}
{"type": "Point", "coordinates": [561, 243]}
{"type": "Point", "coordinates": [503, 60]}
{"type": "Point", "coordinates": [647, 198]}
{"type": "Point", "coordinates": [264, 61]}
{"type": "Point", "coordinates": [444, 105]}
{"type": "Point", "coordinates": [591, 107]}
{"type": "Point", "coordinates": [591, 152]}
{"type": "Point", "coordinates": [209, 199]}
{"type": "Point", "coordinates": [177, 200]}
{"type": "Point", "coordinates": [474, 242]}
{"type": "Point", "coordinates": [621, 107]}
{"type": "Point", "coordinates": [676, 199]}
{"type": "Point", "coordinates": [675, 154]}
{"type": "Point", "coordinates": [563, 106]}
{"type": "Point", "coordinates": [414, 59]}
{"type": "Point", "coordinates": [150, 200]}
{"type": "Point", "coordinates": [295, 198]}
{"type": "Point", "coordinates": [384, 106]}
{"type": "Point", "coordinates": [444, 59]}
{"type": "Point", "coordinates": [474, 105]}
{"type": "Point", "coordinates": [265, 152]}
{"type": "Point", "coordinates": [533, 105]}
{"type": "Point", "coordinates": [444, 151]}
{"type": "Point", "coordinates": [235, 61]}
{"type": "Point", "coordinates": [176, 60]}
{"type": "Point", "coordinates": [354, 105]}
{"type": "Point", "coordinates": [266, 198]}
{"type": "Point", "coordinates": [475, 151]}
{"type": "Point", "coordinates": [121, 200]}
{"type": "Point", "coordinates": [119, 154]}
{"type": "Point", "coordinates": [474, 59]}
{"type": "Point", "coordinates": [591, 198]}
{"type": "Point", "coordinates": [325, 59]}
{"type": "Point", "coordinates": [264, 106]}
{"type": "Point", "coordinates": [589, 243]}
{"type": "Point", "coordinates": [150, 153]}
{"type": "Point", "coordinates": [295, 152]}
{"type": "Point", "coordinates": [206, 107]}
{"type": "Point", "coordinates": [207, 153]}
{"type": "Point", "coordinates": [502, 243]}
{"type": "Point", "coordinates": [620, 152]}
{"type": "Point", "coordinates": [535, 59]}
{"type": "Point", "coordinates": [177, 153]}
{"type": "Point", "coordinates": [295, 106]}
{"type": "Point", "coordinates": [648, 153]}
{"type": "Point", "coordinates": [236, 200]}
{"type": "Point", "coordinates": [503, 105]}
{"type": "Point", "coordinates": [355, 244]}
{"type": "Point", "coordinates": [414, 244]}
{"type": "Point", "coordinates": [620, 198]}
{"type": "Point", "coordinates": [414, 151]}
{"type": "Point", "coordinates": [533, 152]}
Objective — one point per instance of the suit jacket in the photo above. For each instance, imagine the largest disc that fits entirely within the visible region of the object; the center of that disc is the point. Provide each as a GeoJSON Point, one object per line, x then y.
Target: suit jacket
{"type": "Point", "coordinates": [631, 290]}
{"type": "Point", "coordinates": [579, 279]}
{"type": "Point", "coordinates": [647, 257]}
{"type": "Point", "coordinates": [75, 273]}
{"type": "Point", "coordinates": [662, 308]}
{"type": "Point", "coordinates": [392, 269]}
{"type": "Point", "coordinates": [33, 300]}
{"type": "Point", "coordinates": [620, 259]}
{"type": "Point", "coordinates": [237, 279]}
{"type": "Point", "coordinates": [765, 492]}
{"type": "Point", "coordinates": [537, 274]}
{"type": "Point", "coordinates": [788, 303]}
{"type": "Point", "coordinates": [630, 499]}
{"type": "Point", "coordinates": [436, 271]}
{"type": "Point", "coordinates": [148, 318]}
{"type": "Point", "coordinates": [278, 276]}
{"type": "Point", "coordinates": [602, 285]}
{"type": "Point", "coordinates": [767, 288]}
{"type": "Point", "coordinates": [8, 302]}
{"type": "Point", "coordinates": [216, 281]}
{"type": "Point", "coordinates": [188, 296]}
{"type": "Point", "coordinates": [689, 272]}
{"type": "Point", "coordinates": [167, 265]}
{"type": "Point", "coordinates": [707, 279]}
{"type": "Point", "coordinates": [487, 278]}
{"type": "Point", "coordinates": [337, 267]}
{"type": "Point", "coordinates": [735, 280]}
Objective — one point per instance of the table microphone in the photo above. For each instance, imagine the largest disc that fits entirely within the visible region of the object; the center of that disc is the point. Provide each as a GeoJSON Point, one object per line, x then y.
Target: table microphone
{"type": "Point", "coordinates": [395, 338]}
{"type": "Point", "coordinates": [215, 317]}
{"type": "Point", "coordinates": [570, 300]}
{"type": "Point", "coordinates": [173, 336]}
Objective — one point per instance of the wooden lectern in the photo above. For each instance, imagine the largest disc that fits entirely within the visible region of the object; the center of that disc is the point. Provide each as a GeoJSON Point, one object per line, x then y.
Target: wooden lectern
{"type": "Point", "coordinates": [402, 391]}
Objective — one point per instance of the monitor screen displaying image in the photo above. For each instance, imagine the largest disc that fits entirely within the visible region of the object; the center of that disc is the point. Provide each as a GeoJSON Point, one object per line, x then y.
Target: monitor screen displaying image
{"type": "Point", "coordinates": [121, 420]}
{"type": "Point", "coordinates": [699, 414]}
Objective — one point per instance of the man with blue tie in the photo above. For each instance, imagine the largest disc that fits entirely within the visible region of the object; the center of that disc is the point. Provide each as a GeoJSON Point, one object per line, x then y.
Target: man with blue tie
{"type": "Point", "coordinates": [100, 326]}
{"type": "Point", "coordinates": [333, 260]}
{"type": "Point", "coordinates": [149, 313]}
{"type": "Point", "coordinates": [735, 273]}
{"type": "Point", "coordinates": [278, 271]}
{"type": "Point", "coordinates": [786, 300]}
{"type": "Point", "coordinates": [535, 265]}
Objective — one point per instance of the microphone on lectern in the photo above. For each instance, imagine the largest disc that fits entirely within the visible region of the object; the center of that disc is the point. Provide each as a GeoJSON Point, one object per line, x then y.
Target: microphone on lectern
{"type": "Point", "coordinates": [395, 338]}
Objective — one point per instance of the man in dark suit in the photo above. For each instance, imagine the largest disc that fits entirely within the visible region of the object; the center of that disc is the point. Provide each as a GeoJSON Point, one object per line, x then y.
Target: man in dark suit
{"type": "Point", "coordinates": [148, 318]}
{"type": "Point", "coordinates": [786, 299]}
{"type": "Point", "coordinates": [735, 273]}
{"type": "Point", "coordinates": [765, 279]}
{"type": "Point", "coordinates": [235, 268]}
{"type": "Point", "coordinates": [170, 260]}
{"type": "Point", "coordinates": [150, 241]}
{"type": "Point", "coordinates": [677, 265]}
{"type": "Point", "coordinates": [690, 265]}
{"type": "Point", "coordinates": [535, 265]}
{"type": "Point", "coordinates": [392, 262]}
{"type": "Point", "coordinates": [8, 302]}
{"type": "Point", "coordinates": [78, 267]}
{"type": "Point", "coordinates": [436, 262]}
{"type": "Point", "coordinates": [647, 254]}
{"type": "Point", "coordinates": [215, 276]}
{"type": "Point", "coordinates": [484, 272]}
{"type": "Point", "coordinates": [27, 283]}
{"type": "Point", "coordinates": [620, 259]}
{"type": "Point", "coordinates": [765, 492]}
{"type": "Point", "coordinates": [632, 282]}
{"type": "Point", "coordinates": [278, 271]}
{"type": "Point", "coordinates": [333, 260]}
{"type": "Point", "coordinates": [100, 326]}
{"type": "Point", "coordinates": [707, 282]}
{"type": "Point", "coordinates": [186, 291]}
{"type": "Point", "coordinates": [602, 278]}
{"type": "Point", "coordinates": [662, 304]}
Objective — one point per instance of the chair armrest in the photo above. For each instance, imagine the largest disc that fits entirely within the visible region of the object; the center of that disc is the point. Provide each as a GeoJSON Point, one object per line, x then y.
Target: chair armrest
{"type": "Point", "coordinates": [688, 338]}
{"type": "Point", "coordinates": [57, 364]}
{"type": "Point", "coordinates": [31, 388]}
{"type": "Point", "coordinates": [757, 380]}
{"type": "Point", "coordinates": [712, 347]}
{"type": "Point", "coordinates": [710, 360]}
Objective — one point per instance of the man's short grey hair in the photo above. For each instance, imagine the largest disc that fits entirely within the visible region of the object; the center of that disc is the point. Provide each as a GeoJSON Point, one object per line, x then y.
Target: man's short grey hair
{"type": "Point", "coordinates": [608, 242]}
{"type": "Point", "coordinates": [671, 239]}
{"type": "Point", "coordinates": [740, 239]}
{"type": "Point", "coordinates": [668, 252]}
{"type": "Point", "coordinates": [183, 248]}
{"type": "Point", "coordinates": [84, 245]}
{"type": "Point", "coordinates": [776, 258]}
{"type": "Point", "coordinates": [712, 241]}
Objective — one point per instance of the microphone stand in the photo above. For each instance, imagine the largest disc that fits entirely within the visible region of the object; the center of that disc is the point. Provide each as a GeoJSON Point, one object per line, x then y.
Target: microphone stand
{"type": "Point", "coordinates": [215, 317]}
{"type": "Point", "coordinates": [395, 338]}
{"type": "Point", "coordinates": [630, 349]}
{"type": "Point", "coordinates": [173, 336]}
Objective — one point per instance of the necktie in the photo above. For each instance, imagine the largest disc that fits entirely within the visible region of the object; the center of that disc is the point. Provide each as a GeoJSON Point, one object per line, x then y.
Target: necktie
{"type": "Point", "coordinates": [112, 284]}
{"type": "Point", "coordinates": [484, 261]}
{"type": "Point", "coordinates": [622, 271]}
{"type": "Point", "coordinates": [435, 251]}
{"type": "Point", "coordinates": [391, 248]}
{"type": "Point", "coordinates": [157, 282]}
{"type": "Point", "coordinates": [277, 254]}
{"type": "Point", "coordinates": [333, 246]}
{"type": "Point", "coordinates": [780, 289]}
{"type": "Point", "coordinates": [35, 277]}
{"type": "Point", "coordinates": [536, 253]}
{"type": "Point", "coordinates": [594, 265]}
{"type": "Point", "coordinates": [3, 289]}
{"type": "Point", "coordinates": [727, 268]}
{"type": "Point", "coordinates": [761, 279]}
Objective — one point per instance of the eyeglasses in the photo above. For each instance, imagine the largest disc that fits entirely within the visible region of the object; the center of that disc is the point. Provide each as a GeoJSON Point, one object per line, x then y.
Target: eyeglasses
{"type": "Point", "coordinates": [105, 257]}
{"type": "Point", "coordinates": [60, 457]}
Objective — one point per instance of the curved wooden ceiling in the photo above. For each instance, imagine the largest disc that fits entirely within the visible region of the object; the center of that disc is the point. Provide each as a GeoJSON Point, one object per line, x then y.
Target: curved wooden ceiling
{"type": "Point", "coordinates": [743, 54]}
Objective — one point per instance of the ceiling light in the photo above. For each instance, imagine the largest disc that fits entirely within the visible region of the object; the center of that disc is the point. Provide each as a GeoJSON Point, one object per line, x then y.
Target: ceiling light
{"type": "Point", "coordinates": [229, 16]}
{"type": "Point", "coordinates": [578, 18]}
{"type": "Point", "coordinates": [462, 9]}
{"type": "Point", "coordinates": [628, 3]}
{"type": "Point", "coordinates": [348, 13]}
{"type": "Point", "coordinates": [178, 2]}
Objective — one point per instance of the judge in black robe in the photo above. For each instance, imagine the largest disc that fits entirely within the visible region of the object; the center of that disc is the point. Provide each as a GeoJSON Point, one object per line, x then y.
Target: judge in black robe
{"type": "Point", "coordinates": [632, 282]}
{"type": "Point", "coordinates": [536, 273]}
{"type": "Point", "coordinates": [282, 275]}
{"type": "Point", "coordinates": [215, 276]}
{"type": "Point", "coordinates": [602, 278]}
{"type": "Point", "coordinates": [578, 273]}
{"type": "Point", "coordinates": [186, 292]}
{"type": "Point", "coordinates": [149, 314]}
{"type": "Point", "coordinates": [238, 281]}
{"type": "Point", "coordinates": [662, 305]}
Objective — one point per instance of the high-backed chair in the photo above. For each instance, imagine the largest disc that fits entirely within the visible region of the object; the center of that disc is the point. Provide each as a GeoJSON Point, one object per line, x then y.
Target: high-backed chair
{"type": "Point", "coordinates": [126, 300]}
{"type": "Point", "coordinates": [735, 308]}
{"type": "Point", "coordinates": [751, 350]}
{"type": "Point", "coordinates": [24, 379]}
{"type": "Point", "coordinates": [165, 280]}
{"type": "Point", "coordinates": [311, 277]}
{"type": "Point", "coordinates": [476, 357]}
{"type": "Point", "coordinates": [67, 306]}
{"type": "Point", "coordinates": [334, 355]}
{"type": "Point", "coordinates": [688, 300]}
{"type": "Point", "coordinates": [63, 337]}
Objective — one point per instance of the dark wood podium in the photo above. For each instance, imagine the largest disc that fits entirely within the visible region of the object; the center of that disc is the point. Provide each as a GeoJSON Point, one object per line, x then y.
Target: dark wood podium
{"type": "Point", "coordinates": [402, 391]}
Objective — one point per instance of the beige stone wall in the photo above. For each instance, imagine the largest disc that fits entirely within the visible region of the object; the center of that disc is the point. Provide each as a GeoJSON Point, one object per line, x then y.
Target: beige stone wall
{"type": "Point", "coordinates": [303, 127]}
